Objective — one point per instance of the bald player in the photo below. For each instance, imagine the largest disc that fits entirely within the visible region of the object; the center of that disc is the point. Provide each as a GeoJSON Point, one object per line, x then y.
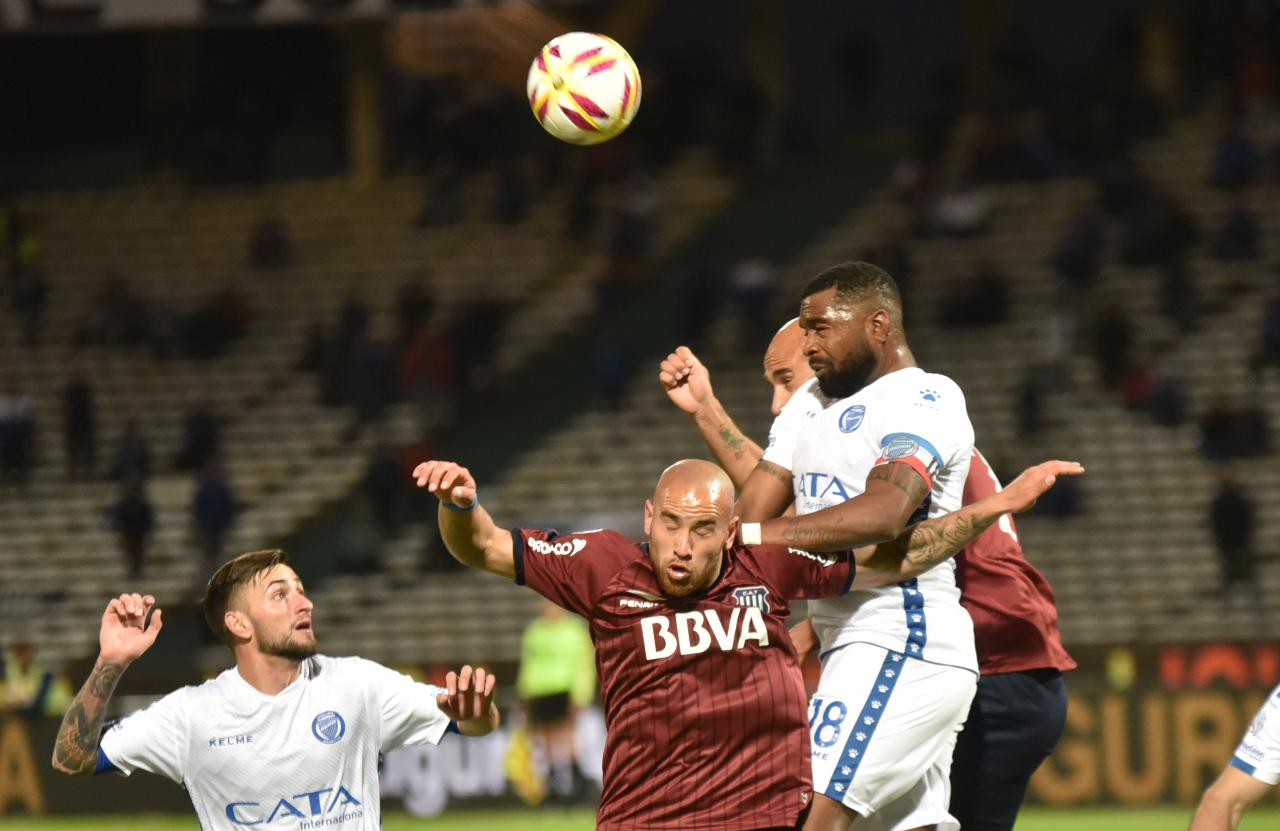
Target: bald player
{"type": "Point", "coordinates": [1019, 711]}
{"type": "Point", "coordinates": [703, 699]}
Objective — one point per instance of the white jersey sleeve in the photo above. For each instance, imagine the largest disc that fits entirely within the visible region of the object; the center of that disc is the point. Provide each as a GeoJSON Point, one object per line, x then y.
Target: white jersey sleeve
{"type": "Point", "coordinates": [407, 710]}
{"type": "Point", "coordinates": [1259, 752]}
{"type": "Point", "coordinates": [927, 429]}
{"type": "Point", "coordinates": [802, 406]}
{"type": "Point", "coordinates": [154, 739]}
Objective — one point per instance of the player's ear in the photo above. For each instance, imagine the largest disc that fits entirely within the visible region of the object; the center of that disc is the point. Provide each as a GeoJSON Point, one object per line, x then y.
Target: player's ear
{"type": "Point", "coordinates": [648, 516]}
{"type": "Point", "coordinates": [733, 532]}
{"type": "Point", "coordinates": [237, 623]}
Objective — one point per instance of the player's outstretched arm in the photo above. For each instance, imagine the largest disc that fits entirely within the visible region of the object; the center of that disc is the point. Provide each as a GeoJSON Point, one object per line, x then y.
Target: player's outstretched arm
{"type": "Point", "coordinates": [927, 543]}
{"type": "Point", "coordinates": [468, 700]}
{"type": "Point", "coordinates": [1226, 800]}
{"type": "Point", "coordinates": [688, 384]}
{"type": "Point", "coordinates": [470, 534]}
{"type": "Point", "coordinates": [124, 636]}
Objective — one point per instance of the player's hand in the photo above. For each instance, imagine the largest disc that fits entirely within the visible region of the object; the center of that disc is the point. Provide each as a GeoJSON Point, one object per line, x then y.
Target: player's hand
{"type": "Point", "coordinates": [686, 380]}
{"type": "Point", "coordinates": [447, 481]}
{"type": "Point", "coordinates": [126, 633]}
{"type": "Point", "coordinates": [468, 700]}
{"type": "Point", "coordinates": [803, 638]}
{"type": "Point", "coordinates": [1022, 493]}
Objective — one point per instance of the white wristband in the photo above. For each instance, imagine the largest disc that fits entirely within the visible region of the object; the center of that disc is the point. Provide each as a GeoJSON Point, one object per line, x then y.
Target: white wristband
{"type": "Point", "coordinates": [750, 533]}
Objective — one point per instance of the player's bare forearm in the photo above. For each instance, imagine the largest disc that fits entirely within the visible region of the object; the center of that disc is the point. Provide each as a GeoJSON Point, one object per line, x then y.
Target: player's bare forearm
{"type": "Point", "coordinates": [75, 751]}
{"type": "Point", "coordinates": [1225, 801]}
{"type": "Point", "coordinates": [766, 493]}
{"type": "Point", "coordinates": [736, 453]}
{"type": "Point", "coordinates": [475, 540]}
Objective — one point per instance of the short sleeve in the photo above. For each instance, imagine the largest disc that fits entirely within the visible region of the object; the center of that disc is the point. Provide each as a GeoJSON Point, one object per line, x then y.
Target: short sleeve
{"type": "Point", "coordinates": [407, 710]}
{"type": "Point", "coordinates": [154, 739]}
{"type": "Point", "coordinates": [785, 429]}
{"type": "Point", "coordinates": [797, 574]}
{"type": "Point", "coordinates": [573, 570]}
{"type": "Point", "coordinates": [928, 429]}
{"type": "Point", "coordinates": [1259, 752]}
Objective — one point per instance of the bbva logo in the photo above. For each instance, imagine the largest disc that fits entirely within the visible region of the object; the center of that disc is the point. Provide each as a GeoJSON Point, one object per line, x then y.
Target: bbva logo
{"type": "Point", "coordinates": [694, 632]}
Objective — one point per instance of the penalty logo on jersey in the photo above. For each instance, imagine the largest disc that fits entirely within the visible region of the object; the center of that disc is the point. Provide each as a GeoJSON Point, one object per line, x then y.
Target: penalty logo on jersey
{"type": "Point", "coordinates": [756, 597]}
{"type": "Point", "coordinates": [328, 727]}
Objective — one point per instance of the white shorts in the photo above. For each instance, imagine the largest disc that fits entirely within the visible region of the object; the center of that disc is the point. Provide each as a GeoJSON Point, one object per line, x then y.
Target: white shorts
{"type": "Point", "coordinates": [882, 728]}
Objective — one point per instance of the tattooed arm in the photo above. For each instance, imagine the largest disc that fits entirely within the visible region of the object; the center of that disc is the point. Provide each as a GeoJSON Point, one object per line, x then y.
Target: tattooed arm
{"type": "Point", "coordinates": [925, 544]}
{"type": "Point", "coordinates": [688, 384]}
{"type": "Point", "coordinates": [125, 635]}
{"type": "Point", "coordinates": [878, 514]}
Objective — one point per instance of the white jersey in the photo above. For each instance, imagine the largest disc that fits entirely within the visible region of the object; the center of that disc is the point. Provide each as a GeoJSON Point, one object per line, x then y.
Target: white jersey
{"type": "Point", "coordinates": [909, 416]}
{"type": "Point", "coordinates": [1259, 751]}
{"type": "Point", "coordinates": [305, 758]}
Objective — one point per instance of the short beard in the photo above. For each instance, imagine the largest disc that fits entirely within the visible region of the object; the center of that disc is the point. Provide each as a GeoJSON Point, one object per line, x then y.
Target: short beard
{"type": "Point", "coordinates": [844, 381]}
{"type": "Point", "coordinates": [288, 648]}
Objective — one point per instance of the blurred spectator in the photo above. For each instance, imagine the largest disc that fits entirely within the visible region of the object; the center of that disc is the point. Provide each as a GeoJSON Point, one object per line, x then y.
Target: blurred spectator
{"type": "Point", "coordinates": [754, 283]}
{"type": "Point", "coordinates": [115, 316]}
{"type": "Point", "coordinates": [1135, 388]}
{"type": "Point", "coordinates": [131, 461]}
{"type": "Point", "coordinates": [557, 678]}
{"type": "Point", "coordinates": [353, 321]}
{"type": "Point", "coordinates": [370, 384]}
{"type": "Point", "coordinates": [79, 426]}
{"type": "Point", "coordinates": [214, 509]}
{"type": "Point", "coordinates": [1156, 229]}
{"type": "Point", "coordinates": [28, 297]}
{"type": "Point", "coordinates": [477, 328]}
{"type": "Point", "coordinates": [1239, 236]}
{"type": "Point", "coordinates": [209, 330]}
{"type": "Point", "coordinates": [1113, 346]}
{"type": "Point", "coordinates": [30, 688]}
{"type": "Point", "coordinates": [1231, 431]}
{"type": "Point", "coordinates": [511, 196]}
{"type": "Point", "coordinates": [891, 251]}
{"type": "Point", "coordinates": [1268, 351]}
{"type": "Point", "coordinates": [1232, 517]}
{"type": "Point", "coordinates": [1167, 399]}
{"type": "Point", "coordinates": [445, 202]}
{"type": "Point", "coordinates": [1077, 259]}
{"type": "Point", "coordinates": [1029, 402]}
{"type": "Point", "coordinates": [980, 299]}
{"type": "Point", "coordinates": [963, 211]}
{"type": "Point", "coordinates": [1057, 333]}
{"type": "Point", "coordinates": [611, 367]}
{"type": "Point", "coordinates": [133, 520]}
{"type": "Point", "coordinates": [201, 437]}
{"type": "Point", "coordinates": [384, 486]}
{"type": "Point", "coordinates": [699, 303]}
{"type": "Point", "coordinates": [635, 225]}
{"type": "Point", "coordinates": [17, 437]}
{"type": "Point", "coordinates": [1178, 297]}
{"type": "Point", "coordinates": [414, 308]}
{"type": "Point", "coordinates": [270, 243]}
{"type": "Point", "coordinates": [1235, 158]}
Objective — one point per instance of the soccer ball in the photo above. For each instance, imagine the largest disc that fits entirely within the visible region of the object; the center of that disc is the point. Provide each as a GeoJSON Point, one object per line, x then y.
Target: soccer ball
{"type": "Point", "coordinates": [583, 88]}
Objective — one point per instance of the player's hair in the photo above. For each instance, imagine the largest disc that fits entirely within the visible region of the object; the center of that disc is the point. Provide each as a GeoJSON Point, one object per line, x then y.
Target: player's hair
{"type": "Point", "coordinates": [232, 575]}
{"type": "Point", "coordinates": [855, 282]}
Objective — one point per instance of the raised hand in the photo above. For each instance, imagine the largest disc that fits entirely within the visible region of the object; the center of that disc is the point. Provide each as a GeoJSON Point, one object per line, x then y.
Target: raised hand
{"type": "Point", "coordinates": [468, 700]}
{"type": "Point", "coordinates": [1020, 494]}
{"type": "Point", "coordinates": [686, 380]}
{"type": "Point", "coordinates": [448, 482]}
{"type": "Point", "coordinates": [126, 633]}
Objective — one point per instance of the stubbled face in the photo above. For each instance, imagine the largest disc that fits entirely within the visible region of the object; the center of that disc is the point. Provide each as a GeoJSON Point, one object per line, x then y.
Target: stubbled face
{"type": "Point", "coordinates": [280, 613]}
{"type": "Point", "coordinates": [690, 527]}
{"type": "Point", "coordinates": [837, 345]}
{"type": "Point", "coordinates": [785, 366]}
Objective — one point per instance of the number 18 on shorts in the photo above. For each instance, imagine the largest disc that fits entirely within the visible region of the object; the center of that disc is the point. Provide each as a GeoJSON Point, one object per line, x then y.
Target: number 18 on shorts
{"type": "Point", "coordinates": [882, 728]}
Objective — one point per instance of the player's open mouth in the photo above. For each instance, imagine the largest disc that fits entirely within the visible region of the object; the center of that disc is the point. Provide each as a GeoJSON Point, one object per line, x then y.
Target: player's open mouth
{"type": "Point", "coordinates": [302, 626]}
{"type": "Point", "coordinates": [677, 572]}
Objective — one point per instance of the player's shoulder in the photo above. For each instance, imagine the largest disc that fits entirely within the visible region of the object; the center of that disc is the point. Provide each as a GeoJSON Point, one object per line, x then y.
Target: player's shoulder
{"type": "Point", "coordinates": [594, 542]}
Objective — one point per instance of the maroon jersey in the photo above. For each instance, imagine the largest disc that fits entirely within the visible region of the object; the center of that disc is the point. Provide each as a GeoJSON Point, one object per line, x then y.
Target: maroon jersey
{"type": "Point", "coordinates": [1015, 622]}
{"type": "Point", "coordinates": [703, 700]}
